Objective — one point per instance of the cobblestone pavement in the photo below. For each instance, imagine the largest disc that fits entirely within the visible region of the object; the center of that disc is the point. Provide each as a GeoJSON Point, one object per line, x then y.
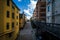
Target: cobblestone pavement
{"type": "Point", "coordinates": [27, 33]}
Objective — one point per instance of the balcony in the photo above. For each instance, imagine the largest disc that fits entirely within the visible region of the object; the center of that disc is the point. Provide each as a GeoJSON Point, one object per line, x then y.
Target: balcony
{"type": "Point", "coordinates": [43, 5]}
{"type": "Point", "coordinates": [42, 10]}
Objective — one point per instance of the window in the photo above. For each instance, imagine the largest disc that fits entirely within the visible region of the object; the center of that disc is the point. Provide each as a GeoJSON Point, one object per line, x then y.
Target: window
{"type": "Point", "coordinates": [12, 24]}
{"type": "Point", "coordinates": [8, 14]}
{"type": "Point", "coordinates": [48, 8]}
{"type": "Point", "coordinates": [7, 26]}
{"type": "Point", "coordinates": [13, 15]}
{"type": "Point", "coordinates": [39, 0]}
{"type": "Point", "coordinates": [53, 1]}
{"type": "Point", "coordinates": [49, 0]}
{"type": "Point", "coordinates": [17, 17]}
{"type": "Point", "coordinates": [43, 5]}
{"type": "Point", "coordinates": [43, 15]}
{"type": "Point", "coordinates": [8, 2]}
{"type": "Point", "coordinates": [42, 10]}
{"type": "Point", "coordinates": [17, 23]}
{"type": "Point", "coordinates": [9, 35]}
{"type": "Point", "coordinates": [13, 6]}
{"type": "Point", "coordinates": [37, 15]}
{"type": "Point", "coordinates": [48, 18]}
{"type": "Point", "coordinates": [17, 11]}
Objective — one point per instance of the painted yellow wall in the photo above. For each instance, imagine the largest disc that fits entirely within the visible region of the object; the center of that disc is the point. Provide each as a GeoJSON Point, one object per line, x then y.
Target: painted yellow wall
{"type": "Point", "coordinates": [19, 22]}
{"type": "Point", "coordinates": [1, 17]}
{"type": "Point", "coordinates": [3, 20]}
{"type": "Point", "coordinates": [16, 21]}
{"type": "Point", "coordinates": [22, 21]}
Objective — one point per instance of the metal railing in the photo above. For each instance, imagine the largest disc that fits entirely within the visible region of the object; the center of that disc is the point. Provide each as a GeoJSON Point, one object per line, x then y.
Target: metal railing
{"type": "Point", "coordinates": [52, 28]}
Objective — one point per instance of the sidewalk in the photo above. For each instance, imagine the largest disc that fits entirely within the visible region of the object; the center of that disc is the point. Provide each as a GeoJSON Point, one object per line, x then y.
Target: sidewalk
{"type": "Point", "coordinates": [27, 33]}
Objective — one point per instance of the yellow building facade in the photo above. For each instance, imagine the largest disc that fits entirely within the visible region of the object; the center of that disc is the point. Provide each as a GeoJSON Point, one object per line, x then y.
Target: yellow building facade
{"type": "Point", "coordinates": [9, 20]}
{"type": "Point", "coordinates": [22, 21]}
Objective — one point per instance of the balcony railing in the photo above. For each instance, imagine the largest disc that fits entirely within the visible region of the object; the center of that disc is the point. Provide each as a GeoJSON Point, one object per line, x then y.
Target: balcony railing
{"type": "Point", "coordinates": [52, 28]}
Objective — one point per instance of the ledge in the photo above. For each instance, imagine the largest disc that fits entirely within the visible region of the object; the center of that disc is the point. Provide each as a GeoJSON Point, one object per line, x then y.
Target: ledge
{"type": "Point", "coordinates": [1, 34]}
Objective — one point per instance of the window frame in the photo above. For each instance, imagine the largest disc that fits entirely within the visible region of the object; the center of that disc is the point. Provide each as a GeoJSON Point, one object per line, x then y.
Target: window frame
{"type": "Point", "coordinates": [48, 8]}
{"type": "Point", "coordinates": [8, 3]}
{"type": "Point", "coordinates": [12, 24]}
{"type": "Point", "coordinates": [8, 14]}
{"type": "Point", "coordinates": [13, 15]}
{"type": "Point", "coordinates": [7, 25]}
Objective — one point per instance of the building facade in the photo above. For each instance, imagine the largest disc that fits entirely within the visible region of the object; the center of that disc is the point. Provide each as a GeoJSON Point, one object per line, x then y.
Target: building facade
{"type": "Point", "coordinates": [22, 21]}
{"type": "Point", "coordinates": [56, 12]}
{"type": "Point", "coordinates": [53, 11]}
{"type": "Point", "coordinates": [41, 10]}
{"type": "Point", "coordinates": [9, 20]}
{"type": "Point", "coordinates": [35, 15]}
{"type": "Point", "coordinates": [49, 11]}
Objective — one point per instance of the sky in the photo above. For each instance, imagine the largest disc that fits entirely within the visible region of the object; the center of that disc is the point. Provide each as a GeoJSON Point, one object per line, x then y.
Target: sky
{"type": "Point", "coordinates": [26, 6]}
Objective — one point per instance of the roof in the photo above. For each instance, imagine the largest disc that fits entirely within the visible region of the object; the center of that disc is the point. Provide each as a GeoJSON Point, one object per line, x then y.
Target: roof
{"type": "Point", "coordinates": [15, 5]}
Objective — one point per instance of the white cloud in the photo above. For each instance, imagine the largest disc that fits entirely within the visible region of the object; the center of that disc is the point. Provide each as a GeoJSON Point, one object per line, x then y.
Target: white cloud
{"type": "Point", "coordinates": [19, 0]}
{"type": "Point", "coordinates": [30, 9]}
{"type": "Point", "coordinates": [32, 5]}
{"type": "Point", "coordinates": [27, 12]}
{"type": "Point", "coordinates": [28, 17]}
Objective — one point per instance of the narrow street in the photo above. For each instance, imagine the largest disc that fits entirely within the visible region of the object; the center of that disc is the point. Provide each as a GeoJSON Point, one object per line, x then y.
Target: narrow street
{"type": "Point", "coordinates": [27, 33]}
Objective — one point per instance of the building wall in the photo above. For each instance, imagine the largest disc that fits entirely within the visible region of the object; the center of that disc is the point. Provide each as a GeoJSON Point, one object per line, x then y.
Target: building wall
{"type": "Point", "coordinates": [35, 14]}
{"type": "Point", "coordinates": [53, 16]}
{"type": "Point", "coordinates": [6, 19]}
{"type": "Point", "coordinates": [19, 23]}
{"type": "Point", "coordinates": [1, 17]}
{"type": "Point", "coordinates": [22, 20]}
{"type": "Point", "coordinates": [8, 33]}
{"type": "Point", "coordinates": [48, 11]}
{"type": "Point", "coordinates": [57, 19]}
{"type": "Point", "coordinates": [57, 11]}
{"type": "Point", "coordinates": [41, 6]}
{"type": "Point", "coordinates": [16, 21]}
